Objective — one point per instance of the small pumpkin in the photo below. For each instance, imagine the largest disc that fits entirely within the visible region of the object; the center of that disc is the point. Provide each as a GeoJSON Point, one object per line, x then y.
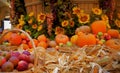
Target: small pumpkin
{"type": "Point", "coordinates": [86, 39]}
{"type": "Point", "coordinates": [113, 33]}
{"type": "Point", "coordinates": [113, 43]}
{"type": "Point", "coordinates": [73, 39]}
{"type": "Point", "coordinates": [99, 26]}
{"type": "Point", "coordinates": [61, 38]}
{"type": "Point", "coordinates": [42, 38]}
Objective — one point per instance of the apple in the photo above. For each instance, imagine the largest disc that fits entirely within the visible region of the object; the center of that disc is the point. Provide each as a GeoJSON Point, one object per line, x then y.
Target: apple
{"type": "Point", "coordinates": [14, 60]}
{"type": "Point", "coordinates": [2, 60]}
{"type": "Point", "coordinates": [22, 65]}
{"type": "Point", "coordinates": [24, 57]}
{"type": "Point", "coordinates": [7, 67]}
{"type": "Point", "coordinates": [26, 52]}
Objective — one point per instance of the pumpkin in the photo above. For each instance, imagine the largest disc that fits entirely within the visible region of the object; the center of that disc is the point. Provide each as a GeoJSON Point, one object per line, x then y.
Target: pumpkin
{"type": "Point", "coordinates": [61, 38]}
{"type": "Point", "coordinates": [98, 26]}
{"type": "Point", "coordinates": [113, 43]}
{"type": "Point", "coordinates": [86, 39]}
{"type": "Point", "coordinates": [15, 39]}
{"type": "Point", "coordinates": [43, 44]}
{"type": "Point", "coordinates": [113, 33]}
{"type": "Point", "coordinates": [42, 38]}
{"type": "Point", "coordinates": [84, 29]}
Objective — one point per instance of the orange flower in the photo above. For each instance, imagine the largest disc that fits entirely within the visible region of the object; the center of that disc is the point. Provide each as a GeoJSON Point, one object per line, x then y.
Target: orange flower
{"type": "Point", "coordinates": [97, 11]}
{"type": "Point", "coordinates": [19, 26]}
{"type": "Point", "coordinates": [105, 18]}
{"type": "Point", "coordinates": [31, 14]}
{"type": "Point", "coordinates": [72, 23]}
{"type": "Point", "coordinates": [21, 17]}
{"type": "Point", "coordinates": [28, 31]}
{"type": "Point", "coordinates": [117, 23]}
{"type": "Point", "coordinates": [84, 18]}
{"type": "Point", "coordinates": [39, 28]}
{"type": "Point", "coordinates": [76, 10]}
{"type": "Point", "coordinates": [21, 22]}
{"type": "Point", "coordinates": [30, 21]}
{"type": "Point", "coordinates": [34, 26]}
{"type": "Point", "coordinates": [65, 23]}
{"type": "Point", "coordinates": [59, 30]}
{"type": "Point", "coordinates": [41, 17]}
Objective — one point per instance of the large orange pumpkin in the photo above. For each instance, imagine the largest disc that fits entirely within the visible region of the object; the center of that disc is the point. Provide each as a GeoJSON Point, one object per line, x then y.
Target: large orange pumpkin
{"type": "Point", "coordinates": [61, 38]}
{"type": "Point", "coordinates": [98, 26]}
{"type": "Point", "coordinates": [15, 39]}
{"type": "Point", "coordinates": [86, 39]}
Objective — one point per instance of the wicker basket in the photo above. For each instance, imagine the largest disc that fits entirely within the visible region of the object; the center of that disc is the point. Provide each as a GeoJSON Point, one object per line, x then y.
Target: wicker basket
{"type": "Point", "coordinates": [31, 70]}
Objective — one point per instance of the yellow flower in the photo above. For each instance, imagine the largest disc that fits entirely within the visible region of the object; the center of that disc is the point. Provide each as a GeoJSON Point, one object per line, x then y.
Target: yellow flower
{"type": "Point", "coordinates": [34, 26]}
{"type": "Point", "coordinates": [41, 17]}
{"type": "Point", "coordinates": [28, 31]}
{"type": "Point", "coordinates": [59, 30]}
{"type": "Point", "coordinates": [97, 11]}
{"type": "Point", "coordinates": [19, 26]}
{"type": "Point", "coordinates": [72, 23]}
{"type": "Point", "coordinates": [30, 21]}
{"type": "Point", "coordinates": [76, 10]}
{"type": "Point", "coordinates": [105, 18]}
{"type": "Point", "coordinates": [22, 22]}
{"type": "Point", "coordinates": [117, 23]}
{"type": "Point", "coordinates": [84, 18]}
{"type": "Point", "coordinates": [39, 28]}
{"type": "Point", "coordinates": [31, 14]}
{"type": "Point", "coordinates": [64, 23]}
{"type": "Point", "coordinates": [21, 17]}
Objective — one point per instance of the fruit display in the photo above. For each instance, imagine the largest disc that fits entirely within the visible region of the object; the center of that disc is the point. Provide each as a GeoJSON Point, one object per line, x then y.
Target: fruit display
{"type": "Point", "coordinates": [14, 55]}
{"type": "Point", "coordinates": [17, 61]}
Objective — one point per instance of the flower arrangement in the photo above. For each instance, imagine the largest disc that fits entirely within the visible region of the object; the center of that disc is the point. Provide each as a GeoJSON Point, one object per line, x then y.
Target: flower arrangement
{"type": "Point", "coordinates": [44, 23]}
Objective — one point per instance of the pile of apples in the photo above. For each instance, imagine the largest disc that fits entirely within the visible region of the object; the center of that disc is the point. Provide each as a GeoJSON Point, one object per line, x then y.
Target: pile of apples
{"type": "Point", "coordinates": [16, 61]}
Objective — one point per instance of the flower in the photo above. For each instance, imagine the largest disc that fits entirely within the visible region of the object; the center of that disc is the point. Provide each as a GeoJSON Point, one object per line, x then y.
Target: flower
{"type": "Point", "coordinates": [30, 21]}
{"type": "Point", "coordinates": [117, 23]}
{"type": "Point", "coordinates": [39, 28]}
{"type": "Point", "coordinates": [59, 30]}
{"type": "Point", "coordinates": [84, 18]}
{"type": "Point", "coordinates": [105, 18]}
{"type": "Point", "coordinates": [65, 23]}
{"type": "Point", "coordinates": [72, 23]}
{"type": "Point", "coordinates": [41, 17]}
{"type": "Point", "coordinates": [31, 14]}
{"type": "Point", "coordinates": [97, 11]}
{"type": "Point", "coordinates": [76, 10]}
{"type": "Point", "coordinates": [34, 26]}
{"type": "Point", "coordinates": [28, 31]}
{"type": "Point", "coordinates": [19, 26]}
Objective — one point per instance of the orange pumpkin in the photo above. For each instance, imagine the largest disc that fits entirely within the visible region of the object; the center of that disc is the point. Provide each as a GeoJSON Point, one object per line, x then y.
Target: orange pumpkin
{"type": "Point", "coordinates": [42, 38]}
{"type": "Point", "coordinates": [43, 44]}
{"type": "Point", "coordinates": [61, 38]}
{"type": "Point", "coordinates": [113, 33]}
{"type": "Point", "coordinates": [113, 43]}
{"type": "Point", "coordinates": [86, 39]}
{"type": "Point", "coordinates": [98, 26]}
{"type": "Point", "coordinates": [15, 39]}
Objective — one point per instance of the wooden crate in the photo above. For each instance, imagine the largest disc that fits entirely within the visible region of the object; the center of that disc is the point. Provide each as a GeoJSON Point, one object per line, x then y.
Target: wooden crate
{"type": "Point", "coordinates": [35, 6]}
{"type": "Point", "coordinates": [86, 5]}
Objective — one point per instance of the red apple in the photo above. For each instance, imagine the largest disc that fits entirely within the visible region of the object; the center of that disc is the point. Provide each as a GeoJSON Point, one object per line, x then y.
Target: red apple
{"type": "Point", "coordinates": [22, 65]}
{"type": "Point", "coordinates": [2, 60]}
{"type": "Point", "coordinates": [7, 67]}
{"type": "Point", "coordinates": [14, 60]}
{"type": "Point", "coordinates": [24, 57]}
{"type": "Point", "coordinates": [16, 53]}
{"type": "Point", "coordinates": [26, 52]}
